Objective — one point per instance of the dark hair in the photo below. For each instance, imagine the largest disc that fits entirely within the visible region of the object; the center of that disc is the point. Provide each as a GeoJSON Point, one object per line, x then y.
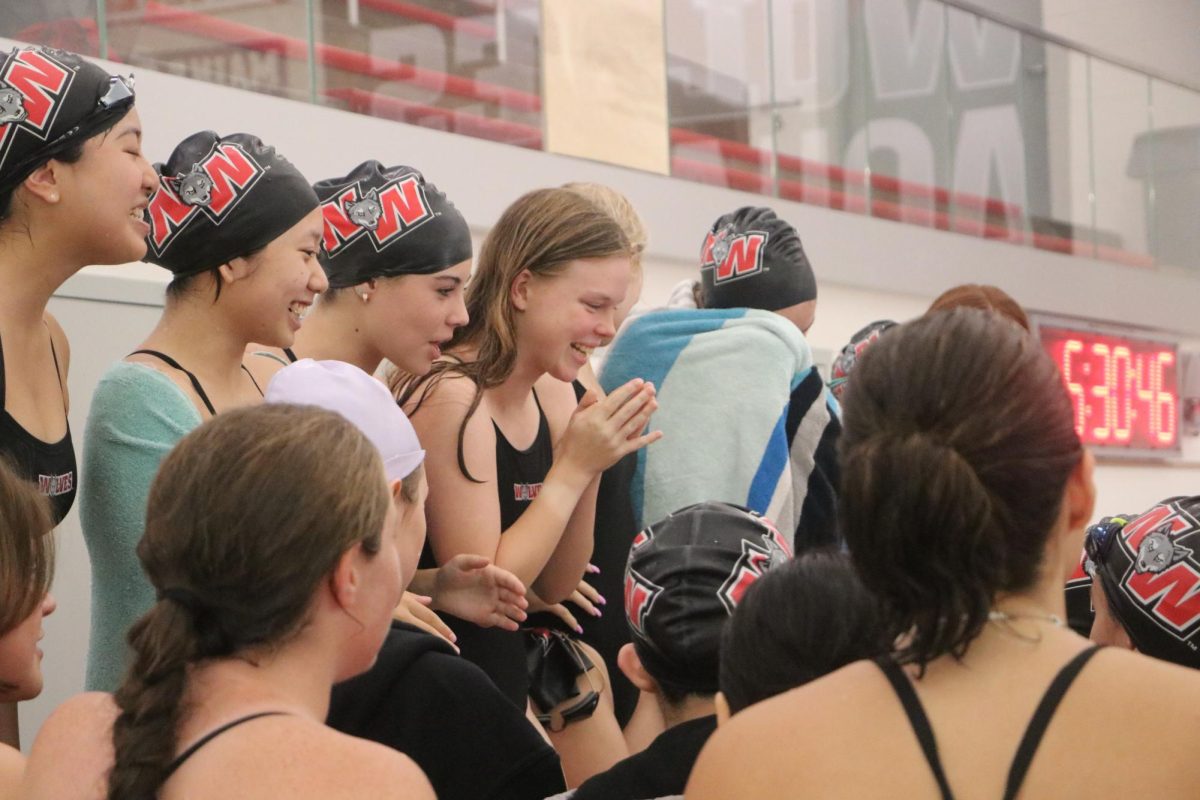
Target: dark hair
{"type": "Point", "coordinates": [181, 284]}
{"type": "Point", "coordinates": [541, 232]}
{"type": "Point", "coordinates": [957, 444]}
{"type": "Point", "coordinates": [984, 297]}
{"type": "Point", "coordinates": [246, 517]}
{"type": "Point", "coordinates": [796, 623]}
{"type": "Point", "coordinates": [26, 548]}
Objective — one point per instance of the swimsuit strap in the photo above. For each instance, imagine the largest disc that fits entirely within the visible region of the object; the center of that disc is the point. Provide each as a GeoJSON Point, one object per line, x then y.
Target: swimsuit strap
{"type": "Point", "coordinates": [917, 718]}
{"type": "Point", "coordinates": [1041, 720]}
{"type": "Point", "coordinates": [176, 365]}
{"type": "Point", "coordinates": [251, 377]}
{"type": "Point", "coordinates": [287, 351]}
{"type": "Point", "coordinates": [208, 737]}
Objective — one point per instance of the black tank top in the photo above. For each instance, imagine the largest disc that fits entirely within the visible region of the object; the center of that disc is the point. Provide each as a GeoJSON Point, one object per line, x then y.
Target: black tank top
{"type": "Point", "coordinates": [50, 465]}
{"type": "Point", "coordinates": [1029, 742]}
{"type": "Point", "coordinates": [208, 737]}
{"type": "Point", "coordinates": [173, 364]}
{"type": "Point", "coordinates": [519, 477]}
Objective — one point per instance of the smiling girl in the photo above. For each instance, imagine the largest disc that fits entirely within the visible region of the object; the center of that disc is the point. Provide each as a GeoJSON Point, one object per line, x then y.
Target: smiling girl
{"type": "Point", "coordinates": [73, 192]}
{"type": "Point", "coordinates": [238, 227]}
{"type": "Point", "coordinates": [513, 456]}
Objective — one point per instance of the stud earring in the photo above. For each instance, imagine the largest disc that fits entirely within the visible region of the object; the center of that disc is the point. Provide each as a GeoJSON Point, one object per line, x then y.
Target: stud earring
{"type": "Point", "coordinates": [364, 297]}
{"type": "Point", "coordinates": [54, 197]}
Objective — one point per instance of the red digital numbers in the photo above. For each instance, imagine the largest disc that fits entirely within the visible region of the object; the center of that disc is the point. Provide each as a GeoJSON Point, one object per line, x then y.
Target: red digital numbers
{"type": "Point", "coordinates": [1124, 391]}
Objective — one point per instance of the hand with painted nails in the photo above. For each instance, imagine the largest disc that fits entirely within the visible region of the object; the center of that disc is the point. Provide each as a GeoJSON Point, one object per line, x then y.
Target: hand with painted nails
{"type": "Point", "coordinates": [414, 609]}
{"type": "Point", "coordinates": [585, 597]}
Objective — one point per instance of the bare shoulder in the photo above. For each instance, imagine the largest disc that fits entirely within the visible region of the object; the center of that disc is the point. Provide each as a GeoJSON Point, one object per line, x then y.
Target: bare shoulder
{"type": "Point", "coordinates": [263, 362]}
{"type": "Point", "coordinates": [12, 767]}
{"type": "Point", "coordinates": [1149, 686]}
{"type": "Point", "coordinates": [386, 772]}
{"type": "Point", "coordinates": [338, 766]}
{"type": "Point", "coordinates": [771, 732]}
{"type": "Point", "coordinates": [62, 346]}
{"type": "Point", "coordinates": [77, 732]}
{"type": "Point", "coordinates": [449, 388]}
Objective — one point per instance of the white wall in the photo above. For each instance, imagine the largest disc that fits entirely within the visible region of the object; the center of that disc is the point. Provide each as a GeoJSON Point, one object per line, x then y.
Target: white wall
{"type": "Point", "coordinates": [867, 268]}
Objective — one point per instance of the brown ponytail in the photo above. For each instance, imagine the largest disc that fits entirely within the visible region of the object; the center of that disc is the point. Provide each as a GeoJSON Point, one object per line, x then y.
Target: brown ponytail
{"type": "Point", "coordinates": [246, 517]}
{"type": "Point", "coordinates": [957, 446]}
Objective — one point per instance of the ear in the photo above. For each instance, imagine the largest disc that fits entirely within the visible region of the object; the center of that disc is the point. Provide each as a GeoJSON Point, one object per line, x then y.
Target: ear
{"type": "Point", "coordinates": [44, 182]}
{"type": "Point", "coordinates": [344, 581]}
{"type": "Point", "coordinates": [518, 293]}
{"type": "Point", "coordinates": [1080, 499]}
{"type": "Point", "coordinates": [723, 712]}
{"type": "Point", "coordinates": [365, 289]}
{"type": "Point", "coordinates": [235, 270]}
{"type": "Point", "coordinates": [631, 665]}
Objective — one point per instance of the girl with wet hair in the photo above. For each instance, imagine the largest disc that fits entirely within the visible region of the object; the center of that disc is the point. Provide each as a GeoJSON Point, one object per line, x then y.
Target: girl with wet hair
{"type": "Point", "coordinates": [26, 571]}
{"type": "Point", "coordinates": [242, 252]}
{"type": "Point", "coordinates": [964, 499]}
{"type": "Point", "coordinates": [514, 454]}
{"type": "Point", "coordinates": [397, 255]}
{"type": "Point", "coordinates": [271, 588]}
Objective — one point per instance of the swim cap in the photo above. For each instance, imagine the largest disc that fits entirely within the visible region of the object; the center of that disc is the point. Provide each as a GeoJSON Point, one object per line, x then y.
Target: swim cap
{"type": "Point", "coordinates": [386, 221]}
{"type": "Point", "coordinates": [49, 100]}
{"type": "Point", "coordinates": [753, 259]}
{"type": "Point", "coordinates": [346, 389]}
{"type": "Point", "coordinates": [842, 365]}
{"type": "Point", "coordinates": [684, 577]}
{"type": "Point", "coordinates": [222, 197]}
{"type": "Point", "coordinates": [1149, 568]}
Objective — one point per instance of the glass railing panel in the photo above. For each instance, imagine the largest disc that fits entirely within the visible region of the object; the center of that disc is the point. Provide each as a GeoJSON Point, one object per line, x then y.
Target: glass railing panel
{"type": "Point", "coordinates": [1120, 134]}
{"type": "Point", "coordinates": [719, 92]}
{"type": "Point", "coordinates": [819, 56]}
{"type": "Point", "coordinates": [1169, 159]}
{"type": "Point", "coordinates": [65, 26]}
{"type": "Point", "coordinates": [906, 141]}
{"type": "Point", "coordinates": [261, 45]}
{"type": "Point", "coordinates": [445, 64]}
{"type": "Point", "coordinates": [997, 112]}
{"type": "Point", "coordinates": [1059, 169]}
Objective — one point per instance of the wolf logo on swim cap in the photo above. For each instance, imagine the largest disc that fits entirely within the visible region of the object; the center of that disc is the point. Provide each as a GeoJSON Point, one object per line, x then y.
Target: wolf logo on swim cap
{"type": "Point", "coordinates": [365, 212]}
{"type": "Point", "coordinates": [385, 222]}
{"type": "Point", "coordinates": [752, 259]}
{"type": "Point", "coordinates": [12, 107]}
{"type": "Point", "coordinates": [1151, 578]}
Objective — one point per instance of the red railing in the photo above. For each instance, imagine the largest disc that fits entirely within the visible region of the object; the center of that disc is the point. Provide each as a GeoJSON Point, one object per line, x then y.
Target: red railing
{"type": "Point", "coordinates": [797, 179]}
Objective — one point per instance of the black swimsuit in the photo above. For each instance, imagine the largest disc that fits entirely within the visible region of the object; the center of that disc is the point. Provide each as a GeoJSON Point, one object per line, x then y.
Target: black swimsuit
{"type": "Point", "coordinates": [1029, 742]}
{"type": "Point", "coordinates": [192, 377]}
{"type": "Point", "coordinates": [51, 465]}
{"type": "Point", "coordinates": [208, 737]}
{"type": "Point", "coordinates": [519, 477]}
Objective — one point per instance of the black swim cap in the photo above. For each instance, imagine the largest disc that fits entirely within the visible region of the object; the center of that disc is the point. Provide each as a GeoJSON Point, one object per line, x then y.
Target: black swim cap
{"type": "Point", "coordinates": [1149, 568]}
{"type": "Point", "coordinates": [684, 577]}
{"type": "Point", "coordinates": [753, 259]}
{"type": "Point", "coordinates": [49, 100]}
{"type": "Point", "coordinates": [221, 197]}
{"type": "Point", "coordinates": [386, 221]}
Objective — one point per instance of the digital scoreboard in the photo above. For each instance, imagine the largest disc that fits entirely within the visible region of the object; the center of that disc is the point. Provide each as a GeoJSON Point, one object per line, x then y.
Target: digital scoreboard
{"type": "Point", "coordinates": [1123, 385]}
